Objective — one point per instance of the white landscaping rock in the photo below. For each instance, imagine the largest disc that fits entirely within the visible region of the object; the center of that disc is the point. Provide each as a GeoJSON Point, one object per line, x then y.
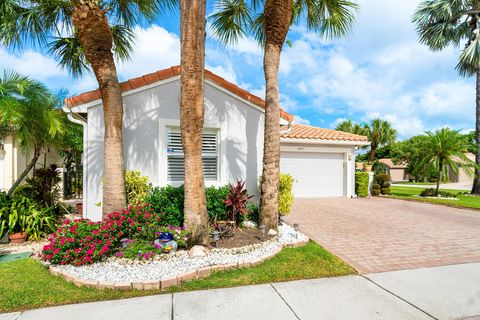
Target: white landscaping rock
{"type": "Point", "coordinates": [272, 232]}
{"type": "Point", "coordinates": [174, 264]}
{"type": "Point", "coordinates": [197, 251]}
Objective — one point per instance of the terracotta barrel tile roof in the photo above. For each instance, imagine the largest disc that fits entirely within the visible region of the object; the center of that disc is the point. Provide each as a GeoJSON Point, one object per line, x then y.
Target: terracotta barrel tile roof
{"type": "Point", "coordinates": [169, 73]}
{"type": "Point", "coordinates": [299, 131]}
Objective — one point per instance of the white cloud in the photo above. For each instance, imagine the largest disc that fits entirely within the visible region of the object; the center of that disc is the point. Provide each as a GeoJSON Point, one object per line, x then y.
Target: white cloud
{"type": "Point", "coordinates": [300, 120]}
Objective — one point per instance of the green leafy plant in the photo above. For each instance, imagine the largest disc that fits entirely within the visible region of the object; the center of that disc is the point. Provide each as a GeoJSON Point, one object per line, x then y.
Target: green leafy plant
{"type": "Point", "coordinates": [216, 207]}
{"type": "Point", "coordinates": [137, 187]}
{"type": "Point", "coordinates": [430, 192]}
{"type": "Point", "coordinates": [361, 183]}
{"type": "Point", "coordinates": [43, 187]}
{"type": "Point", "coordinates": [285, 194]}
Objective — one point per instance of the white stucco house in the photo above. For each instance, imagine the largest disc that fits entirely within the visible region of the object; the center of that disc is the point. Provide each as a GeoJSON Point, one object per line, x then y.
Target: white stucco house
{"type": "Point", "coordinates": [322, 161]}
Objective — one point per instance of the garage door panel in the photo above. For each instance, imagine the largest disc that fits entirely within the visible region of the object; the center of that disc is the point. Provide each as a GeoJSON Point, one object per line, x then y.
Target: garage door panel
{"type": "Point", "coordinates": [316, 174]}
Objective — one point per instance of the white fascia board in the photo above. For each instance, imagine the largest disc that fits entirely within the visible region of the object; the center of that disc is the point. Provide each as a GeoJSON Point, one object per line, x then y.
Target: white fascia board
{"type": "Point", "coordinates": [321, 141]}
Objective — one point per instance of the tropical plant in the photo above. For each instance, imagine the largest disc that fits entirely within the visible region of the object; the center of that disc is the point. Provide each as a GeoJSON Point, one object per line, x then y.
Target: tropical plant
{"type": "Point", "coordinates": [441, 23]}
{"type": "Point", "coordinates": [269, 21]}
{"type": "Point", "coordinates": [192, 60]}
{"type": "Point", "coordinates": [83, 34]}
{"type": "Point", "coordinates": [351, 127]}
{"type": "Point", "coordinates": [285, 193]}
{"type": "Point", "coordinates": [28, 108]}
{"type": "Point", "coordinates": [443, 149]}
{"type": "Point", "coordinates": [43, 187]}
{"type": "Point", "coordinates": [237, 201]}
{"type": "Point", "coordinates": [137, 187]}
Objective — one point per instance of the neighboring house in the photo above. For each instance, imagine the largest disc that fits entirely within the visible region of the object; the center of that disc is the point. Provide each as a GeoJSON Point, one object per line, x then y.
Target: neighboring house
{"type": "Point", "coordinates": [461, 175]}
{"type": "Point", "coordinates": [13, 160]}
{"type": "Point", "coordinates": [396, 171]}
{"type": "Point", "coordinates": [322, 161]}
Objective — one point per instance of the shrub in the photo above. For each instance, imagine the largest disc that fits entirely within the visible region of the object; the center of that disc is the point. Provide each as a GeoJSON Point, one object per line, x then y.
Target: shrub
{"type": "Point", "coordinates": [361, 184]}
{"type": "Point", "coordinates": [285, 194]}
{"type": "Point", "coordinates": [430, 192]}
{"type": "Point", "coordinates": [82, 241]}
{"type": "Point", "coordinates": [237, 201]}
{"type": "Point", "coordinates": [376, 186]}
{"type": "Point", "coordinates": [136, 186]}
{"type": "Point", "coordinates": [22, 214]}
{"type": "Point", "coordinates": [383, 180]}
{"type": "Point", "coordinates": [376, 192]}
{"type": "Point", "coordinates": [447, 194]}
{"type": "Point", "coordinates": [169, 200]}
{"type": "Point", "coordinates": [385, 190]}
{"type": "Point", "coordinates": [253, 212]}
{"type": "Point", "coordinates": [42, 187]}
{"type": "Point", "coordinates": [216, 206]}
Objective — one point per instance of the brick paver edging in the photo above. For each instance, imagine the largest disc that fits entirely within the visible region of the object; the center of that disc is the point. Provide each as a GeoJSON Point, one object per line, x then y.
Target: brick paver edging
{"type": "Point", "coordinates": [165, 283]}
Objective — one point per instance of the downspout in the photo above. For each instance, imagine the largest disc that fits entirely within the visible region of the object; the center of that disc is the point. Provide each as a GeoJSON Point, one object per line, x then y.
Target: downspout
{"type": "Point", "coordinates": [78, 119]}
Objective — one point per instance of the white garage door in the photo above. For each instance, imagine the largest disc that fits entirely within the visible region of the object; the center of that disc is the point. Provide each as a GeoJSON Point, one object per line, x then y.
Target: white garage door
{"type": "Point", "coordinates": [316, 174]}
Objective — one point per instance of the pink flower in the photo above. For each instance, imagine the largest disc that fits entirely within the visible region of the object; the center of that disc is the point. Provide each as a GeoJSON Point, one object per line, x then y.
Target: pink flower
{"type": "Point", "coordinates": [120, 255]}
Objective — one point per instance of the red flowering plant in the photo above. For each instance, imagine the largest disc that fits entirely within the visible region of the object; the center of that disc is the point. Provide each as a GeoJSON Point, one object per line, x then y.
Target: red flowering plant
{"type": "Point", "coordinates": [82, 241]}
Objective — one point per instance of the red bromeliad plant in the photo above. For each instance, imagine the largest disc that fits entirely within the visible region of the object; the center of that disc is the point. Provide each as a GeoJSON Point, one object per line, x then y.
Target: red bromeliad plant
{"type": "Point", "coordinates": [237, 200]}
{"type": "Point", "coordinates": [82, 241]}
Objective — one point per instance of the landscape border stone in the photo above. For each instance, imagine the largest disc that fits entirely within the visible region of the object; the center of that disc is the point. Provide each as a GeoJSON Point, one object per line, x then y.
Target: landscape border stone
{"type": "Point", "coordinates": [163, 284]}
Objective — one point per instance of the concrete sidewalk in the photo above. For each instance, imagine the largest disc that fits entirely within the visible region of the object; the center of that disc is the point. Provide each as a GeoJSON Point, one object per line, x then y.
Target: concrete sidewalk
{"type": "Point", "coordinates": [450, 292]}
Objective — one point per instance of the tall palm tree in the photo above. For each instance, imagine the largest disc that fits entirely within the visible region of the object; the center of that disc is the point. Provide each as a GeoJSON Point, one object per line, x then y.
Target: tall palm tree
{"type": "Point", "coordinates": [443, 149]}
{"type": "Point", "coordinates": [269, 21]}
{"type": "Point", "coordinates": [192, 34]}
{"type": "Point", "coordinates": [441, 23]}
{"type": "Point", "coordinates": [95, 31]}
{"type": "Point", "coordinates": [27, 108]}
{"type": "Point", "coordinates": [350, 126]}
{"type": "Point", "coordinates": [379, 133]}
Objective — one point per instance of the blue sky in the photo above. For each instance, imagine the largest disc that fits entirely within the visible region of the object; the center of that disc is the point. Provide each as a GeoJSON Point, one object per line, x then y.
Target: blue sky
{"type": "Point", "coordinates": [379, 70]}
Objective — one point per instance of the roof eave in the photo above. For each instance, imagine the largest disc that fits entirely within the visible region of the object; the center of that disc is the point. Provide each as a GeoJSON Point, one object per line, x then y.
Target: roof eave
{"type": "Point", "coordinates": [325, 141]}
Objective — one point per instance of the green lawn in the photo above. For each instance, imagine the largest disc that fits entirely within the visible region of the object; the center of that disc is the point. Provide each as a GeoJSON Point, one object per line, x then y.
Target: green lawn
{"type": "Point", "coordinates": [416, 183]}
{"type": "Point", "coordinates": [26, 284]}
{"type": "Point", "coordinates": [412, 193]}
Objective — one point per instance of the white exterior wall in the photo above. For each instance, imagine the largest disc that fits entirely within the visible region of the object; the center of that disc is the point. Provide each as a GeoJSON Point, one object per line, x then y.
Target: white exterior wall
{"type": "Point", "coordinates": [13, 160]}
{"type": "Point", "coordinates": [147, 115]}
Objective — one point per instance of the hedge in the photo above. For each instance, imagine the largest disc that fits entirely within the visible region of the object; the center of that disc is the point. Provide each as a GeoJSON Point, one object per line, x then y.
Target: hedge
{"type": "Point", "coordinates": [361, 184]}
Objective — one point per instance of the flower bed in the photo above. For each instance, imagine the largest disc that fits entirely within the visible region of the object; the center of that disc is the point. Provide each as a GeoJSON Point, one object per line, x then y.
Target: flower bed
{"type": "Point", "coordinates": [166, 270]}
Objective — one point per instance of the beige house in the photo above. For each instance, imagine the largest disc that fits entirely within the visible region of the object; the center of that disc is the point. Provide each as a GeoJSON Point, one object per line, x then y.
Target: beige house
{"type": "Point", "coordinates": [396, 171]}
{"type": "Point", "coordinates": [14, 160]}
{"type": "Point", "coordinates": [461, 176]}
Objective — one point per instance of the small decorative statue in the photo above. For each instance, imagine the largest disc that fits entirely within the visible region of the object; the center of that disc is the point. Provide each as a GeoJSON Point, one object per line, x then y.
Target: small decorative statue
{"type": "Point", "coordinates": [166, 243]}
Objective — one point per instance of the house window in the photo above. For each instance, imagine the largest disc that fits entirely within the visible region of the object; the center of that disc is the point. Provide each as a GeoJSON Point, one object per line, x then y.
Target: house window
{"type": "Point", "coordinates": [175, 155]}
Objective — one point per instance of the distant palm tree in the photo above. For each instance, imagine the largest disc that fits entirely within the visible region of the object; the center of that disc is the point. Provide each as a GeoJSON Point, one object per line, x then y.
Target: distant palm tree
{"type": "Point", "coordinates": [192, 34]}
{"type": "Point", "coordinates": [82, 34]}
{"type": "Point", "coordinates": [379, 133]}
{"type": "Point", "coordinates": [27, 108]}
{"type": "Point", "coordinates": [441, 23]}
{"type": "Point", "coordinates": [443, 149]}
{"type": "Point", "coordinates": [269, 21]}
{"type": "Point", "coordinates": [351, 127]}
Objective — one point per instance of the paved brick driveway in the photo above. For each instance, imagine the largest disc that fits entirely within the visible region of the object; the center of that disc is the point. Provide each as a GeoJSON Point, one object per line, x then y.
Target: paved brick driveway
{"type": "Point", "coordinates": [376, 235]}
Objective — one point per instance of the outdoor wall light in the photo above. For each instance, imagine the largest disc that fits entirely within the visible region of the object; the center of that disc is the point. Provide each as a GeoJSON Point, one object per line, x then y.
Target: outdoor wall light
{"type": "Point", "coordinates": [295, 227]}
{"type": "Point", "coordinates": [124, 242]}
{"type": "Point", "coordinates": [262, 231]}
{"type": "Point", "coordinates": [216, 237]}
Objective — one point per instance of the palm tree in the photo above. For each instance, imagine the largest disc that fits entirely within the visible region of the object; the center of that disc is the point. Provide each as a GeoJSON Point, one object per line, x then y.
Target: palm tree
{"type": "Point", "coordinates": [27, 109]}
{"type": "Point", "coordinates": [96, 30]}
{"type": "Point", "coordinates": [379, 133]}
{"type": "Point", "coordinates": [443, 149]}
{"type": "Point", "coordinates": [236, 18]}
{"type": "Point", "coordinates": [192, 34]}
{"type": "Point", "coordinates": [441, 23]}
{"type": "Point", "coordinates": [350, 126]}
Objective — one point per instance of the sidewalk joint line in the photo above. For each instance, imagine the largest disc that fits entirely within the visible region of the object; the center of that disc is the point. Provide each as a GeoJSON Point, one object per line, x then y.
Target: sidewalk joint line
{"type": "Point", "coordinates": [397, 296]}
{"type": "Point", "coordinates": [291, 309]}
{"type": "Point", "coordinates": [171, 311]}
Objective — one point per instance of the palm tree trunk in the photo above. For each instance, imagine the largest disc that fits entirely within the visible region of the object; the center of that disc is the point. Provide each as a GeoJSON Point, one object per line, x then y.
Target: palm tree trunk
{"type": "Point", "coordinates": [36, 155]}
{"type": "Point", "coordinates": [192, 30]}
{"type": "Point", "coordinates": [440, 175]}
{"type": "Point", "coordinates": [95, 36]}
{"type": "Point", "coordinates": [476, 180]}
{"type": "Point", "coordinates": [278, 16]}
{"type": "Point", "coordinates": [371, 153]}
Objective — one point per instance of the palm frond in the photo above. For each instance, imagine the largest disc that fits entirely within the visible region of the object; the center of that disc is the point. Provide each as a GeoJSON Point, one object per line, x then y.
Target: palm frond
{"type": "Point", "coordinates": [231, 21]}
{"type": "Point", "coordinates": [469, 60]}
{"type": "Point", "coordinates": [123, 40]}
{"type": "Point", "coordinates": [69, 54]}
